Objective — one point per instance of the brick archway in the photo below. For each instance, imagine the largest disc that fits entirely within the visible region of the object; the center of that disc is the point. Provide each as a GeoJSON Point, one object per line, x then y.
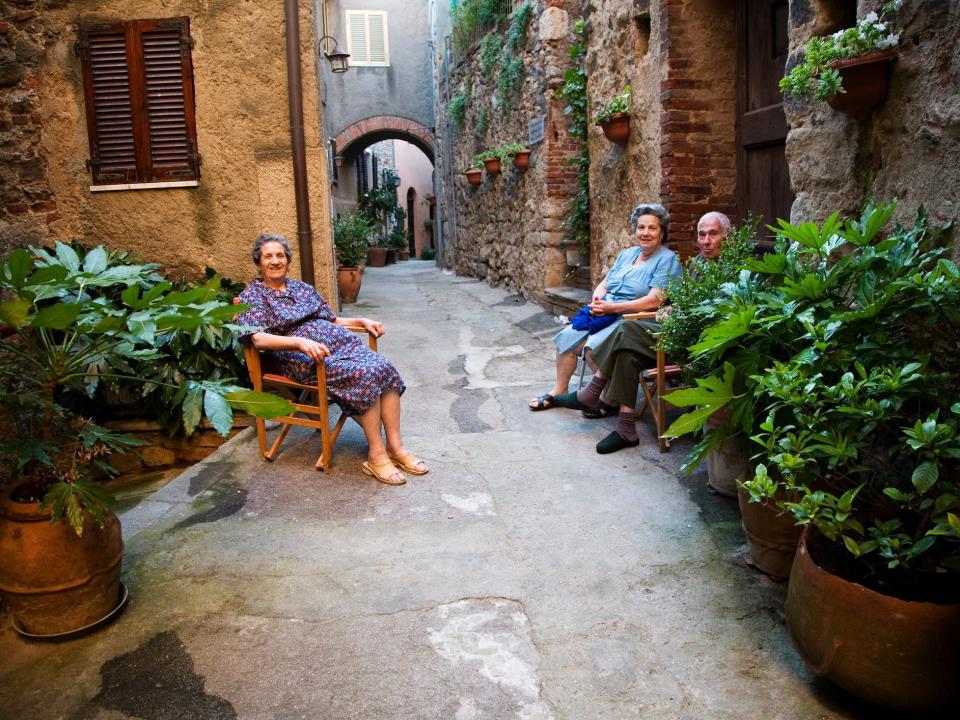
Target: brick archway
{"type": "Point", "coordinates": [386, 127]}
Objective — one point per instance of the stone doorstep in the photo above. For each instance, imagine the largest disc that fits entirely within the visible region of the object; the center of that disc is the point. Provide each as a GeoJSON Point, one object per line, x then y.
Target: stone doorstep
{"type": "Point", "coordinates": [565, 300]}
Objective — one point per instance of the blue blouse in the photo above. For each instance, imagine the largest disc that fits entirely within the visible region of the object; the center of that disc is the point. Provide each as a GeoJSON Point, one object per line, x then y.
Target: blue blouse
{"type": "Point", "coordinates": [626, 282]}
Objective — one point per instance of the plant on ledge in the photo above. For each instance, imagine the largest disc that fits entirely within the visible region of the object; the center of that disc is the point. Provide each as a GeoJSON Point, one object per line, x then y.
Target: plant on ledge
{"type": "Point", "coordinates": [815, 77]}
{"type": "Point", "coordinates": [620, 104]}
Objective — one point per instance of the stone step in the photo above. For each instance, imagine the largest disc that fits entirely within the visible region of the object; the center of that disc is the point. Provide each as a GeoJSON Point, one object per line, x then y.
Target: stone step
{"type": "Point", "coordinates": [581, 278]}
{"type": "Point", "coordinates": [565, 300]}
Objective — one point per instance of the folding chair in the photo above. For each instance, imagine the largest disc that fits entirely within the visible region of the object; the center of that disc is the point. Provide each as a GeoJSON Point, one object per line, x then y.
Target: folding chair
{"type": "Point", "coordinates": [317, 412]}
{"type": "Point", "coordinates": [654, 383]}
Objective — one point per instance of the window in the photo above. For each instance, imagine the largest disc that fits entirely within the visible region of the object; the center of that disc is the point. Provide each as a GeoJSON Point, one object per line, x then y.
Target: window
{"type": "Point", "coordinates": [367, 38]}
{"type": "Point", "coordinates": [138, 90]}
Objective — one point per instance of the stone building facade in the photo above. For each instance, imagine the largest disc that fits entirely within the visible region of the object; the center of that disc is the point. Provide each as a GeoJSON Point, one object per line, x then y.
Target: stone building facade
{"type": "Point", "coordinates": [709, 130]}
{"type": "Point", "coordinates": [242, 135]}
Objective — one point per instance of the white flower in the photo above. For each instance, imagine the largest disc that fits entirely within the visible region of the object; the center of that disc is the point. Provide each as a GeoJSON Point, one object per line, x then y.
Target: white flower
{"type": "Point", "coordinates": [871, 17]}
{"type": "Point", "coordinates": [880, 26]}
{"type": "Point", "coordinates": [837, 35]}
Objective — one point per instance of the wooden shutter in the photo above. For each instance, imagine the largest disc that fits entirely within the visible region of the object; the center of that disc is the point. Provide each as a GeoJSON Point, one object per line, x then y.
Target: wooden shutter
{"type": "Point", "coordinates": [357, 48]}
{"type": "Point", "coordinates": [138, 82]}
{"type": "Point", "coordinates": [367, 38]}
{"type": "Point", "coordinates": [377, 38]}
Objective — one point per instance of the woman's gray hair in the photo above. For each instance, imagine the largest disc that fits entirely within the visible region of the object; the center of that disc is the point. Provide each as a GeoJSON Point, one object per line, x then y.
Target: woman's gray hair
{"type": "Point", "coordinates": [271, 237]}
{"type": "Point", "coordinates": [659, 211]}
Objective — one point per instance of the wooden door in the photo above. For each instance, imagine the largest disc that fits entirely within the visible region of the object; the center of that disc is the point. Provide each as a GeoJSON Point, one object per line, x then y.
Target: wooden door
{"type": "Point", "coordinates": [763, 179]}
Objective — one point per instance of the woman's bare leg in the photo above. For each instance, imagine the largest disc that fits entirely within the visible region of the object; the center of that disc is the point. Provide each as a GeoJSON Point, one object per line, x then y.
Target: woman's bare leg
{"type": "Point", "coordinates": [566, 365]}
{"type": "Point", "coordinates": [390, 417]}
{"type": "Point", "coordinates": [371, 423]}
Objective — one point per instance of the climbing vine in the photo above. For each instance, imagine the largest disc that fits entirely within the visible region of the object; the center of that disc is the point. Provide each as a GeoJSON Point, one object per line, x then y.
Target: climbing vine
{"type": "Point", "coordinates": [490, 48]}
{"type": "Point", "coordinates": [574, 92]}
{"type": "Point", "coordinates": [458, 110]}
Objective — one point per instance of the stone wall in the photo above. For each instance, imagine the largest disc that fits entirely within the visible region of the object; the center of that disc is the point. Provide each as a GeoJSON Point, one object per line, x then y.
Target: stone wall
{"type": "Point", "coordinates": [243, 136]}
{"type": "Point", "coordinates": [508, 230]}
{"type": "Point", "coordinates": [905, 149]}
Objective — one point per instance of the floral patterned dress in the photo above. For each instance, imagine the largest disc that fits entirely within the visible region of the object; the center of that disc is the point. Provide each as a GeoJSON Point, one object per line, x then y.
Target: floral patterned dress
{"type": "Point", "coordinates": [356, 375]}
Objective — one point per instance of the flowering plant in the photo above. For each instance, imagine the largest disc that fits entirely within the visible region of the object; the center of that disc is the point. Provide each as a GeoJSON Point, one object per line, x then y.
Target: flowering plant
{"type": "Point", "coordinates": [620, 104]}
{"type": "Point", "coordinates": [815, 77]}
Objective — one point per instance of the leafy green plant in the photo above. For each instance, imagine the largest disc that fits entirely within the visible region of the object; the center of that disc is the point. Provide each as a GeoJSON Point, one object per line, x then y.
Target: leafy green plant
{"type": "Point", "coordinates": [839, 356]}
{"type": "Point", "coordinates": [690, 310]}
{"type": "Point", "coordinates": [509, 81]}
{"type": "Point", "coordinates": [64, 336]}
{"type": "Point", "coordinates": [490, 48]}
{"type": "Point", "coordinates": [814, 76]}
{"type": "Point", "coordinates": [351, 233]}
{"type": "Point", "coordinates": [458, 110]}
{"type": "Point", "coordinates": [620, 104]}
{"type": "Point", "coordinates": [428, 254]}
{"type": "Point", "coordinates": [517, 32]}
{"type": "Point", "coordinates": [480, 129]}
{"type": "Point", "coordinates": [574, 92]}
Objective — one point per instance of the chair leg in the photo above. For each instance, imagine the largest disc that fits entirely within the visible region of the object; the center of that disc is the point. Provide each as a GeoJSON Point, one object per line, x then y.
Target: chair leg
{"type": "Point", "coordinates": [582, 359]}
{"type": "Point", "coordinates": [262, 437]}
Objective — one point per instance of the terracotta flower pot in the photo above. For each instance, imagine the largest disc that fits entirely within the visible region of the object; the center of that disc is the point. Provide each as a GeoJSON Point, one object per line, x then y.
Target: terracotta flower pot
{"type": "Point", "coordinates": [901, 655]}
{"type": "Point", "coordinates": [376, 256]}
{"type": "Point", "coordinates": [492, 165]}
{"type": "Point", "coordinates": [521, 160]}
{"type": "Point", "coordinates": [348, 283]}
{"type": "Point", "coordinates": [55, 582]}
{"type": "Point", "coordinates": [726, 465]}
{"type": "Point", "coordinates": [617, 128]}
{"type": "Point", "coordinates": [865, 80]}
{"type": "Point", "coordinates": [771, 535]}
{"type": "Point", "coordinates": [403, 255]}
{"type": "Point", "coordinates": [474, 176]}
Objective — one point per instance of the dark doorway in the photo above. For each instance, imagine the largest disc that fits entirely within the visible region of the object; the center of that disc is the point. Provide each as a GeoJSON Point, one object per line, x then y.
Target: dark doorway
{"type": "Point", "coordinates": [411, 240]}
{"type": "Point", "coordinates": [763, 179]}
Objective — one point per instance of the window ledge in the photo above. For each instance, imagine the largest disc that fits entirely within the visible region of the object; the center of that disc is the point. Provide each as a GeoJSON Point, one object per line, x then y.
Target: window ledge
{"type": "Point", "coordinates": [145, 186]}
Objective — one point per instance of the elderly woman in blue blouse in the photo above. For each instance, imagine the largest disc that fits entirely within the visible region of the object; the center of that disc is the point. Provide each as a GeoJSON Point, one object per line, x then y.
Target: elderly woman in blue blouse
{"type": "Point", "coordinates": [636, 282]}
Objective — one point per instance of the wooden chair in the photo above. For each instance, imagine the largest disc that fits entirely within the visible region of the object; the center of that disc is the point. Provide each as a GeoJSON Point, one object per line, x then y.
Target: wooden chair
{"type": "Point", "coordinates": [655, 385]}
{"type": "Point", "coordinates": [312, 401]}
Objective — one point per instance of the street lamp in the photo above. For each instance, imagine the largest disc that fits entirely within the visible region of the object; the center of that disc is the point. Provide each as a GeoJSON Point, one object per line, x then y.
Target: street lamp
{"type": "Point", "coordinates": [338, 58]}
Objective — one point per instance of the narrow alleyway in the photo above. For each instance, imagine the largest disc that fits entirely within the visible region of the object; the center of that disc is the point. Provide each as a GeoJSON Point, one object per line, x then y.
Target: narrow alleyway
{"type": "Point", "coordinates": [524, 577]}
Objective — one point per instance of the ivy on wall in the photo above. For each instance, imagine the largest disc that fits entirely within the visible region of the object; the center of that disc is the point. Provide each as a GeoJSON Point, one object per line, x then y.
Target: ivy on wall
{"type": "Point", "coordinates": [458, 110]}
{"type": "Point", "coordinates": [574, 92]}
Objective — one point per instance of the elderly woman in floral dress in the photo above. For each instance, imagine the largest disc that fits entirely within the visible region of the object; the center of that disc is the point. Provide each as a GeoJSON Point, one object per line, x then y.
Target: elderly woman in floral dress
{"type": "Point", "coordinates": [301, 329]}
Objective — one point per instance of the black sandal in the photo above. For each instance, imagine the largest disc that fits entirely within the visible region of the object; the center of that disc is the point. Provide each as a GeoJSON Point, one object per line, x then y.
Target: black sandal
{"type": "Point", "coordinates": [614, 442]}
{"type": "Point", "coordinates": [601, 411]}
{"type": "Point", "coordinates": [544, 402]}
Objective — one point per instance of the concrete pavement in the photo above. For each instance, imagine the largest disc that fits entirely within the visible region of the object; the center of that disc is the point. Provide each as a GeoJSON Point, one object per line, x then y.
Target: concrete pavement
{"type": "Point", "coordinates": [524, 577]}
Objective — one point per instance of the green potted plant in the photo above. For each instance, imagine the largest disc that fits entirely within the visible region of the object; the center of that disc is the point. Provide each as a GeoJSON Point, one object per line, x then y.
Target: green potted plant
{"type": "Point", "coordinates": [474, 172]}
{"type": "Point", "coordinates": [838, 355]}
{"type": "Point", "coordinates": [849, 69]}
{"type": "Point", "coordinates": [518, 154]}
{"type": "Point", "coordinates": [614, 119]}
{"type": "Point", "coordinates": [491, 160]}
{"type": "Point", "coordinates": [60, 546]}
{"type": "Point", "coordinates": [350, 233]}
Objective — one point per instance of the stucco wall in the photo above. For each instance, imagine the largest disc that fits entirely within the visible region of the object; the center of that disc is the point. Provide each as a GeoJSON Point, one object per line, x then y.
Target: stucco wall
{"type": "Point", "coordinates": [907, 148]}
{"type": "Point", "coordinates": [416, 172]}
{"type": "Point", "coordinates": [402, 89]}
{"type": "Point", "coordinates": [246, 183]}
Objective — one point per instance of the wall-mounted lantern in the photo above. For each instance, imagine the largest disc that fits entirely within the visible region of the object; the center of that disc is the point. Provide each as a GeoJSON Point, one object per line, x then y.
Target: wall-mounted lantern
{"type": "Point", "coordinates": [339, 60]}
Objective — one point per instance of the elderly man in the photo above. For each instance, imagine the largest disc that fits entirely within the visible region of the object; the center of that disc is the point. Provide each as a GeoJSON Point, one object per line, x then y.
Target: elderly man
{"type": "Point", "coordinates": [630, 349]}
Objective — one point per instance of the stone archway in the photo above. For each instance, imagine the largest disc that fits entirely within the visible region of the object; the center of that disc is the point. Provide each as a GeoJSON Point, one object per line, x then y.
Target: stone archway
{"type": "Point", "coordinates": [386, 127]}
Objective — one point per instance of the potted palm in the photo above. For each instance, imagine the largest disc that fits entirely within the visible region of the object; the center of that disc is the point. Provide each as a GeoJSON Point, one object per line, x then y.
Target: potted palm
{"type": "Point", "coordinates": [614, 118]}
{"type": "Point", "coordinates": [849, 342]}
{"type": "Point", "coordinates": [850, 69]}
{"type": "Point", "coordinates": [350, 233]}
{"type": "Point", "coordinates": [60, 546]}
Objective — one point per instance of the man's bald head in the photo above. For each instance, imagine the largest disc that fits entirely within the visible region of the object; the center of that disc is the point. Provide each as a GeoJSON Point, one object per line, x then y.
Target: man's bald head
{"type": "Point", "coordinates": [711, 229]}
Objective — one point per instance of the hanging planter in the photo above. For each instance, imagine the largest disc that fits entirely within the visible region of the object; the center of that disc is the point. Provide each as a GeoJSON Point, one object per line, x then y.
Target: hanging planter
{"type": "Point", "coordinates": [617, 128]}
{"type": "Point", "coordinates": [474, 176]}
{"type": "Point", "coordinates": [492, 164]}
{"type": "Point", "coordinates": [865, 82]}
{"type": "Point", "coordinates": [521, 160]}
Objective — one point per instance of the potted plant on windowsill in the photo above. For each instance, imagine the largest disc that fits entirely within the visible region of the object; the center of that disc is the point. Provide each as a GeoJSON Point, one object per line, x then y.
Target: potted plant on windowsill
{"type": "Point", "coordinates": [64, 335]}
{"type": "Point", "coordinates": [350, 233]}
{"type": "Point", "coordinates": [519, 156]}
{"type": "Point", "coordinates": [850, 69]}
{"type": "Point", "coordinates": [614, 119]}
{"type": "Point", "coordinates": [838, 355]}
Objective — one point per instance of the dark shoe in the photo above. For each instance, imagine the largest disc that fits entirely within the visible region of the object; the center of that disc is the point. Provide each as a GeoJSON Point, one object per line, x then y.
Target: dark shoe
{"type": "Point", "coordinates": [601, 411]}
{"type": "Point", "coordinates": [544, 402]}
{"type": "Point", "coordinates": [568, 400]}
{"type": "Point", "coordinates": [613, 442]}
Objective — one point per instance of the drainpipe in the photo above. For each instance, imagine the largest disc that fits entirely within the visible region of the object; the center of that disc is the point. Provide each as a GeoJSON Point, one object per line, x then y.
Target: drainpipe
{"type": "Point", "coordinates": [297, 141]}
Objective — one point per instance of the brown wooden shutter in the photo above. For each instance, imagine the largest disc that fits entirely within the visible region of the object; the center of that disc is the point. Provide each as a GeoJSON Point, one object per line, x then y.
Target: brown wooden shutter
{"type": "Point", "coordinates": [138, 78]}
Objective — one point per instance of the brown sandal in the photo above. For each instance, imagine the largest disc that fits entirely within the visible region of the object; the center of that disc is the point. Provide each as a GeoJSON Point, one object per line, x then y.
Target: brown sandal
{"type": "Point", "coordinates": [409, 462]}
{"type": "Point", "coordinates": [383, 472]}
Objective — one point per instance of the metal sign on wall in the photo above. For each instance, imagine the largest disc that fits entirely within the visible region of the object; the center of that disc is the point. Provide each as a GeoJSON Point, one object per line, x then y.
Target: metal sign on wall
{"type": "Point", "coordinates": [536, 129]}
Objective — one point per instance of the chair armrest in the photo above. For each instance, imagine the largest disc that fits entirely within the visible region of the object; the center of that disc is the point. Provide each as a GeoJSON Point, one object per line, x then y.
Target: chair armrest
{"type": "Point", "coordinates": [644, 315]}
{"type": "Point", "coordinates": [358, 328]}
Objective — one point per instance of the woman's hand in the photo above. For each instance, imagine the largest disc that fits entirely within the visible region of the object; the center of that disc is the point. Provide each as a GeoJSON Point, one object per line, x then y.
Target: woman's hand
{"type": "Point", "coordinates": [372, 327]}
{"type": "Point", "coordinates": [314, 350]}
{"type": "Point", "coordinates": [604, 307]}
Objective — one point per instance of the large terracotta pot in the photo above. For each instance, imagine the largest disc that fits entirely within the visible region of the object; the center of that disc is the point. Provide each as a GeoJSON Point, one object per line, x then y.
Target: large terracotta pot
{"type": "Point", "coordinates": [901, 655]}
{"type": "Point", "coordinates": [617, 128]}
{"type": "Point", "coordinates": [348, 283]}
{"type": "Point", "coordinates": [865, 80]}
{"type": "Point", "coordinates": [55, 582]}
{"type": "Point", "coordinates": [771, 535]}
{"type": "Point", "coordinates": [376, 256]}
